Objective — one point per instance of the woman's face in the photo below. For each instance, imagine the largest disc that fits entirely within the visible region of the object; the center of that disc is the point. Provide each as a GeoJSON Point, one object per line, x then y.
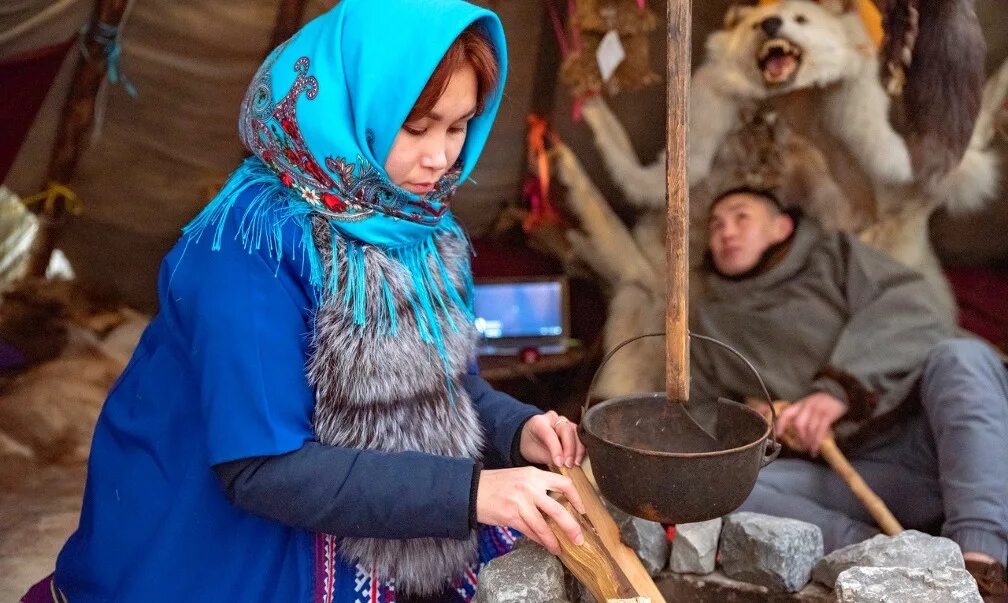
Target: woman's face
{"type": "Point", "coordinates": [427, 147]}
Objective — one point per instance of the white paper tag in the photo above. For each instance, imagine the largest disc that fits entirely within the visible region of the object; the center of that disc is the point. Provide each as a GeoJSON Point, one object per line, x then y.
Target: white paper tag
{"type": "Point", "coordinates": [610, 54]}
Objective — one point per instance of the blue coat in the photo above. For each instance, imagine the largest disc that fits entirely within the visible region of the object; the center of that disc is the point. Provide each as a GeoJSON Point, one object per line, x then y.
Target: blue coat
{"type": "Point", "coordinates": [219, 375]}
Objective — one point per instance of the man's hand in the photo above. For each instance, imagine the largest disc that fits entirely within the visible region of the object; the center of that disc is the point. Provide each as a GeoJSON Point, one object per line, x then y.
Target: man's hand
{"type": "Point", "coordinates": [550, 438]}
{"type": "Point", "coordinates": [810, 419]}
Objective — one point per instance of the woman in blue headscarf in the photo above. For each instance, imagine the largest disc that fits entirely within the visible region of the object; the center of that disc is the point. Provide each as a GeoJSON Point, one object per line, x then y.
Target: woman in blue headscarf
{"type": "Point", "coordinates": [298, 422]}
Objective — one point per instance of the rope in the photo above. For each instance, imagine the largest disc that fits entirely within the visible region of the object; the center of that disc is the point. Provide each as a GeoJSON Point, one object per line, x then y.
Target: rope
{"type": "Point", "coordinates": [47, 198]}
{"type": "Point", "coordinates": [107, 36]}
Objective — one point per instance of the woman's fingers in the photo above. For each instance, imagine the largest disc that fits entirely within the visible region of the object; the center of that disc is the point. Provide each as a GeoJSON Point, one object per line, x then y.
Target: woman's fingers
{"type": "Point", "coordinates": [519, 524]}
{"type": "Point", "coordinates": [537, 525]}
{"type": "Point", "coordinates": [547, 436]}
{"type": "Point", "coordinates": [580, 448]}
{"type": "Point", "coordinates": [567, 432]}
{"type": "Point", "coordinates": [562, 517]}
{"type": "Point", "coordinates": [564, 485]}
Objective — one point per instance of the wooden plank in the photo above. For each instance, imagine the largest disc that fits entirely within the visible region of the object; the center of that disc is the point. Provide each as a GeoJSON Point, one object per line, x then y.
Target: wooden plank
{"type": "Point", "coordinates": [608, 533]}
{"type": "Point", "coordinates": [677, 210]}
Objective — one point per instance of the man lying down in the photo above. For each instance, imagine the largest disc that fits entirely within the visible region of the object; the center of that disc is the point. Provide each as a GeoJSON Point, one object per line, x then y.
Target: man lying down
{"type": "Point", "coordinates": [852, 338]}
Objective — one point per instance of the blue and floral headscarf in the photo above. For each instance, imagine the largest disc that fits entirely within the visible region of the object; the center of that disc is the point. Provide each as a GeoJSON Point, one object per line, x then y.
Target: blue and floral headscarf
{"type": "Point", "coordinates": [320, 118]}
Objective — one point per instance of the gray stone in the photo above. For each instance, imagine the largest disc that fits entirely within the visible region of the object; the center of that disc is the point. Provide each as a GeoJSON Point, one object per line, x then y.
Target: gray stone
{"type": "Point", "coordinates": [718, 588]}
{"type": "Point", "coordinates": [577, 592]}
{"type": "Point", "coordinates": [646, 538]}
{"type": "Point", "coordinates": [694, 548]}
{"type": "Point", "coordinates": [907, 549]}
{"type": "Point", "coordinates": [528, 573]}
{"type": "Point", "coordinates": [906, 585]}
{"type": "Point", "coordinates": [770, 551]}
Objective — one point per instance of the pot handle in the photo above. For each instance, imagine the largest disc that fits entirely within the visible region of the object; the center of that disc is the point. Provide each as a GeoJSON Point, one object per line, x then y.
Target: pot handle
{"type": "Point", "coordinates": [773, 447]}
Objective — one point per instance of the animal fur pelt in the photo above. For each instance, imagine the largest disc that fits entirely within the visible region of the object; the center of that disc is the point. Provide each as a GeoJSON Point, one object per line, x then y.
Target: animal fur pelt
{"type": "Point", "coordinates": [837, 65]}
{"type": "Point", "coordinates": [761, 151]}
{"type": "Point", "coordinates": [863, 185]}
{"type": "Point", "coordinates": [379, 392]}
{"type": "Point", "coordinates": [766, 54]}
{"type": "Point", "coordinates": [633, 272]}
{"type": "Point", "coordinates": [76, 345]}
{"type": "Point", "coordinates": [941, 97]}
{"type": "Point", "coordinates": [36, 314]}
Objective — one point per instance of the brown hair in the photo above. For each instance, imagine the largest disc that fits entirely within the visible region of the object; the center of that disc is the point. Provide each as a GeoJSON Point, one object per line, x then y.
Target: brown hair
{"type": "Point", "coordinates": [471, 46]}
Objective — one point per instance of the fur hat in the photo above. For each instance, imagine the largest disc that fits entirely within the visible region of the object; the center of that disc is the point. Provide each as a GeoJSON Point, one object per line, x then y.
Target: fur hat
{"type": "Point", "coordinates": [755, 162]}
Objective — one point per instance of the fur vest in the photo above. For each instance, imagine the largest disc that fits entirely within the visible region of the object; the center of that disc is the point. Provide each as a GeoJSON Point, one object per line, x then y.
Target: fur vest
{"type": "Point", "coordinates": [389, 392]}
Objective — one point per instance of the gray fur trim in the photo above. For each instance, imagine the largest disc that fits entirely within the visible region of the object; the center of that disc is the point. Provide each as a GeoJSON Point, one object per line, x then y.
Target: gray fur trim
{"type": "Point", "coordinates": [389, 393]}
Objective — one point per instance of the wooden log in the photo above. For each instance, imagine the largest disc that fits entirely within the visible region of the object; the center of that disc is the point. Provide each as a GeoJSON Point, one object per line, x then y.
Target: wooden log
{"type": "Point", "coordinates": [605, 529]}
{"type": "Point", "coordinates": [75, 125]}
{"type": "Point", "coordinates": [677, 218]}
{"type": "Point", "coordinates": [591, 562]}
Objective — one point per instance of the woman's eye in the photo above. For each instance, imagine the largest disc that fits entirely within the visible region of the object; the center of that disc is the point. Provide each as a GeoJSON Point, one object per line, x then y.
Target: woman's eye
{"type": "Point", "coordinates": [415, 131]}
{"type": "Point", "coordinates": [458, 129]}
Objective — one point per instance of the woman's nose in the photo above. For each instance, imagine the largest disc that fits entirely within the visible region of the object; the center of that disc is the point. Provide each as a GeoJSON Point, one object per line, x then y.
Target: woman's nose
{"type": "Point", "coordinates": [435, 157]}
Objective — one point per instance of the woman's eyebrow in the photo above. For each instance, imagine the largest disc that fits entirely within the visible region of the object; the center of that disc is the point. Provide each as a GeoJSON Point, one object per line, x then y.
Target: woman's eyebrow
{"type": "Point", "coordinates": [438, 117]}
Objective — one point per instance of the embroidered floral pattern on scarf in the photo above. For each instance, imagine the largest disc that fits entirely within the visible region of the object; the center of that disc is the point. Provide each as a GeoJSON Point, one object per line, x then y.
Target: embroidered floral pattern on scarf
{"type": "Point", "coordinates": [358, 190]}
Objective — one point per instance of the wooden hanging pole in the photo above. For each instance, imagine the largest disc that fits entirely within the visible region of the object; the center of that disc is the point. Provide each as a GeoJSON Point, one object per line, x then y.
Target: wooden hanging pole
{"type": "Point", "coordinates": [288, 21]}
{"type": "Point", "coordinates": [677, 227]}
{"type": "Point", "coordinates": [75, 125]}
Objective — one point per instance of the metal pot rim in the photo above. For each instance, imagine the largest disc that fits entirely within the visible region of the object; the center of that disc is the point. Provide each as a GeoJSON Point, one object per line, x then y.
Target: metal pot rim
{"type": "Point", "coordinates": [655, 453]}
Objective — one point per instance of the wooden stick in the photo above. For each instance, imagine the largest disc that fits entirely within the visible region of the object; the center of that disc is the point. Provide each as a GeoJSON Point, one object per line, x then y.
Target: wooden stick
{"type": "Point", "coordinates": [604, 527]}
{"type": "Point", "coordinates": [677, 233]}
{"type": "Point", "coordinates": [875, 506]}
{"type": "Point", "coordinates": [75, 124]}
{"type": "Point", "coordinates": [829, 450]}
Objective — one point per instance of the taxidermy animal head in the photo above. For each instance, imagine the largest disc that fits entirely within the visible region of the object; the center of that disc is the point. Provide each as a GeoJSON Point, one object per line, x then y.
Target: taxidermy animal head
{"type": "Point", "coordinates": [792, 44]}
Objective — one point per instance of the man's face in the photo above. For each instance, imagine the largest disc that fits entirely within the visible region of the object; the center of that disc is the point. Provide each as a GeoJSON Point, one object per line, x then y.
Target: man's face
{"type": "Point", "coordinates": [742, 226]}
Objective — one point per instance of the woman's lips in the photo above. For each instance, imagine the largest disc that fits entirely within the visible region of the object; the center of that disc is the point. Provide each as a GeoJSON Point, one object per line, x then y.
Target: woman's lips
{"type": "Point", "coordinates": [420, 188]}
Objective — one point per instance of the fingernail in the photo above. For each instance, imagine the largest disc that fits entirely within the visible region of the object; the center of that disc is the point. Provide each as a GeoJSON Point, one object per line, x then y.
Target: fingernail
{"type": "Point", "coordinates": [570, 462]}
{"type": "Point", "coordinates": [579, 540]}
{"type": "Point", "coordinates": [558, 461]}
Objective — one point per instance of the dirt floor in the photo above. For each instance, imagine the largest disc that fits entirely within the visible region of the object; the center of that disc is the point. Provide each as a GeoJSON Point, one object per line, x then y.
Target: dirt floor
{"type": "Point", "coordinates": [39, 508]}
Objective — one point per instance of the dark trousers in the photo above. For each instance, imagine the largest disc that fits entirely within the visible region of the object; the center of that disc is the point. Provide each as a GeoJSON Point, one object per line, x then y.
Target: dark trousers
{"type": "Point", "coordinates": [944, 468]}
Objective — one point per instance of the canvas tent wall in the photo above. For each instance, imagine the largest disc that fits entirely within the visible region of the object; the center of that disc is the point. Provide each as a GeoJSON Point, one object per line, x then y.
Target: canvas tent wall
{"type": "Point", "coordinates": [154, 157]}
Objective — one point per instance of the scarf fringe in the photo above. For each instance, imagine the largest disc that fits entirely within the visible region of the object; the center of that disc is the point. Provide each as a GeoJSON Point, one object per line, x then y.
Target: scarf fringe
{"type": "Point", "coordinates": [262, 226]}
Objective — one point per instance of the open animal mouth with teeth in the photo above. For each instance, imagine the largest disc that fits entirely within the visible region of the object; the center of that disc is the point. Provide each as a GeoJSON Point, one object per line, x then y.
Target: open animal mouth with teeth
{"type": "Point", "coordinates": [779, 60]}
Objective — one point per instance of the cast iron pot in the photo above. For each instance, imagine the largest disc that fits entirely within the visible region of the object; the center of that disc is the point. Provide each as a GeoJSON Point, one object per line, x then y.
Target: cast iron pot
{"type": "Point", "coordinates": [644, 466]}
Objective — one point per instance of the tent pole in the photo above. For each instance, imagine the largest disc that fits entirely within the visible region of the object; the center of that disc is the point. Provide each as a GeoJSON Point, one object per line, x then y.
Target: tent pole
{"type": "Point", "coordinates": [75, 124]}
{"type": "Point", "coordinates": [677, 200]}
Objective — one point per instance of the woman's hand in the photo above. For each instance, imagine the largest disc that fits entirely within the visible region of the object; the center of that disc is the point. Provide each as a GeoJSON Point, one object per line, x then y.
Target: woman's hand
{"type": "Point", "coordinates": [518, 498]}
{"type": "Point", "coordinates": [550, 438]}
